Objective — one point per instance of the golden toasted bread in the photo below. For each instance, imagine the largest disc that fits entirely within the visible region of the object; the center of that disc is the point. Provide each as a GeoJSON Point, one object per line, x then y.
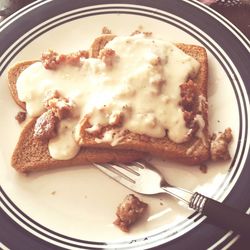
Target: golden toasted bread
{"type": "Point", "coordinates": [32, 155]}
{"type": "Point", "coordinates": [194, 151]}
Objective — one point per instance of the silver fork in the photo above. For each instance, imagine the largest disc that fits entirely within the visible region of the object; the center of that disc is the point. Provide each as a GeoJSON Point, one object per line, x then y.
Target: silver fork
{"type": "Point", "coordinates": [143, 178]}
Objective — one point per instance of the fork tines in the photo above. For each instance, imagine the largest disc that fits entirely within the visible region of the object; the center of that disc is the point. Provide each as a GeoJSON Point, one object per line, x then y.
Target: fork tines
{"type": "Point", "coordinates": [121, 171]}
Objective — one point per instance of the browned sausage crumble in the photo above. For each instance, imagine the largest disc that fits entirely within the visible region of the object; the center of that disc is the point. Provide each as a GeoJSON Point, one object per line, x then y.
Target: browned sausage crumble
{"type": "Point", "coordinates": [21, 116]}
{"type": "Point", "coordinates": [51, 59]}
{"type": "Point", "coordinates": [129, 211]}
{"type": "Point", "coordinates": [45, 127]}
{"type": "Point", "coordinates": [203, 168]}
{"type": "Point", "coordinates": [106, 30]}
{"type": "Point", "coordinates": [58, 108]}
{"type": "Point", "coordinates": [219, 145]}
{"type": "Point", "coordinates": [145, 33]}
{"type": "Point", "coordinates": [188, 101]}
{"type": "Point", "coordinates": [108, 56]}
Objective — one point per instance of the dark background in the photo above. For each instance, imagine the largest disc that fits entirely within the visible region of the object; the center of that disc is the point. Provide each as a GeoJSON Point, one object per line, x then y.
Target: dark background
{"type": "Point", "coordinates": [237, 11]}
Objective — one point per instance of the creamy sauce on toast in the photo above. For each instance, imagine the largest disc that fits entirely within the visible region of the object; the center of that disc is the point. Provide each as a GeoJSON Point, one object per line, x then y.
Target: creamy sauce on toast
{"type": "Point", "coordinates": [141, 86]}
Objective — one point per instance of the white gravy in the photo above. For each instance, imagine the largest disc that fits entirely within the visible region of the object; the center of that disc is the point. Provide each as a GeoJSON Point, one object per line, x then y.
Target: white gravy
{"type": "Point", "coordinates": [146, 92]}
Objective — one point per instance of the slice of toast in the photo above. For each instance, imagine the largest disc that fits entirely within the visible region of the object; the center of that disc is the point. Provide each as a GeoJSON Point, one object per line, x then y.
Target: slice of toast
{"type": "Point", "coordinates": [33, 155]}
{"type": "Point", "coordinates": [194, 151]}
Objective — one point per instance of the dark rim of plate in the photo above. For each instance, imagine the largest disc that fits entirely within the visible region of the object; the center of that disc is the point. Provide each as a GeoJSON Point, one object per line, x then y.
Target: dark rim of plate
{"type": "Point", "coordinates": [48, 10]}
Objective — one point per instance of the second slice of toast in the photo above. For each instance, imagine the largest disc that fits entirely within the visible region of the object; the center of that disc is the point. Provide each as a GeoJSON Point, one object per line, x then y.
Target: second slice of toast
{"type": "Point", "coordinates": [33, 155]}
{"type": "Point", "coordinates": [194, 151]}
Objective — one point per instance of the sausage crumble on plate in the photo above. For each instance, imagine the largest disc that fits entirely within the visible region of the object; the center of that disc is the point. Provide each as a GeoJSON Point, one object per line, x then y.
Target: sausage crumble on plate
{"type": "Point", "coordinates": [129, 211]}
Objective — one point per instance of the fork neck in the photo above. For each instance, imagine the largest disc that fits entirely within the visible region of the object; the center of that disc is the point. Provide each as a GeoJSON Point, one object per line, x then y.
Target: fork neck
{"type": "Point", "coordinates": [179, 193]}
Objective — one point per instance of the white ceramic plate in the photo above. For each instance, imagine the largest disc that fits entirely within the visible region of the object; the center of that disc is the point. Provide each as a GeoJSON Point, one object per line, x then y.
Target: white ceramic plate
{"type": "Point", "coordinates": [75, 207]}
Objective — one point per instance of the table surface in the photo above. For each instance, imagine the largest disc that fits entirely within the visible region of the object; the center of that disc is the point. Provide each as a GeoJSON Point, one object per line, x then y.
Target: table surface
{"type": "Point", "coordinates": [237, 11]}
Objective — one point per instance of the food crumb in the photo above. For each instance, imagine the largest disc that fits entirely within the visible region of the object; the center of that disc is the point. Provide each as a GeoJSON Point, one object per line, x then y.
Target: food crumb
{"type": "Point", "coordinates": [219, 145]}
{"type": "Point", "coordinates": [129, 211]}
{"type": "Point", "coordinates": [106, 30]}
{"type": "Point", "coordinates": [53, 193]}
{"type": "Point", "coordinates": [140, 27]}
{"type": "Point", "coordinates": [203, 168]}
{"type": "Point", "coordinates": [21, 116]}
{"type": "Point", "coordinates": [161, 203]}
{"type": "Point", "coordinates": [145, 33]}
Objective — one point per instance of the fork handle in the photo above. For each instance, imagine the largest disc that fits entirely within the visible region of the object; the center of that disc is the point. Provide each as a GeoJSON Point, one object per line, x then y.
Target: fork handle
{"type": "Point", "coordinates": [217, 213]}
{"type": "Point", "coordinates": [221, 215]}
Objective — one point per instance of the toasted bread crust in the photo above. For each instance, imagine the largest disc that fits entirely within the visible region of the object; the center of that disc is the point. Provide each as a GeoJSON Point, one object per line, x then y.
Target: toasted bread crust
{"type": "Point", "coordinates": [13, 74]}
{"type": "Point", "coordinates": [33, 155]}
{"type": "Point", "coordinates": [192, 152]}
